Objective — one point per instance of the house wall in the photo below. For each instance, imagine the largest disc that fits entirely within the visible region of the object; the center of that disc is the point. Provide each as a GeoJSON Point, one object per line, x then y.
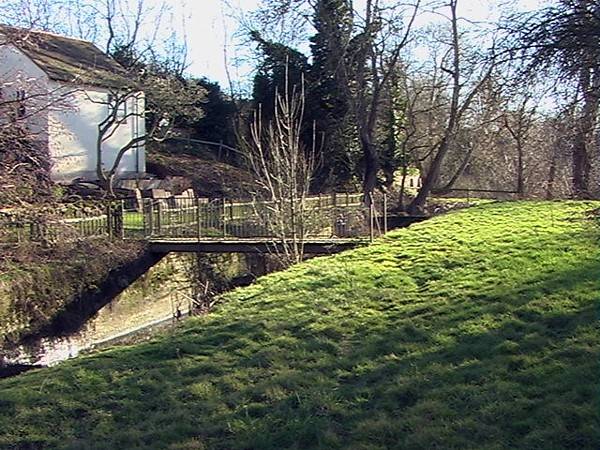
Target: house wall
{"type": "Point", "coordinates": [64, 118]}
{"type": "Point", "coordinates": [19, 74]}
{"type": "Point", "coordinates": [412, 182]}
{"type": "Point", "coordinates": [73, 134]}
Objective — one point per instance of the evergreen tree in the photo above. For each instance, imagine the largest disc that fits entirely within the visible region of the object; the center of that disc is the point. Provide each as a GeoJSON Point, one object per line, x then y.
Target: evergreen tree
{"type": "Point", "coordinates": [219, 112]}
{"type": "Point", "coordinates": [281, 66]}
{"type": "Point", "coordinates": [329, 99]}
{"type": "Point", "coordinates": [392, 130]}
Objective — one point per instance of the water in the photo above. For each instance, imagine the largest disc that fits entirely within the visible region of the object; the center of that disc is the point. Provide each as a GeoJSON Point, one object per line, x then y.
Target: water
{"type": "Point", "coordinates": [52, 351]}
{"type": "Point", "coordinates": [149, 303]}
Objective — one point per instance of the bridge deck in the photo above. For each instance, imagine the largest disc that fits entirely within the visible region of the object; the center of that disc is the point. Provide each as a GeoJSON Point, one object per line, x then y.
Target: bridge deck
{"type": "Point", "coordinates": [249, 245]}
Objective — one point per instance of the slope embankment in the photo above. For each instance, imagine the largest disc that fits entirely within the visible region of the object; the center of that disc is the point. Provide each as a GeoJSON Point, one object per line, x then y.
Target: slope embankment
{"type": "Point", "coordinates": [477, 329]}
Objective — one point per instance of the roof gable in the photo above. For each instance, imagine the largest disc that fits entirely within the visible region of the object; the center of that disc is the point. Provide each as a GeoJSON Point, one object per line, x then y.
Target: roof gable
{"type": "Point", "coordinates": [67, 59]}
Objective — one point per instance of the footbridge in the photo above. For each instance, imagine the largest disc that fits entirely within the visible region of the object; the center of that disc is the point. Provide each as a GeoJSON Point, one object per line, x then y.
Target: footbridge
{"type": "Point", "coordinates": [318, 224]}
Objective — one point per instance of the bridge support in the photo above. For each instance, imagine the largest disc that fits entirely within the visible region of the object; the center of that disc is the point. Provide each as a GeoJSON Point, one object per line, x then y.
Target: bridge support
{"type": "Point", "coordinates": [324, 247]}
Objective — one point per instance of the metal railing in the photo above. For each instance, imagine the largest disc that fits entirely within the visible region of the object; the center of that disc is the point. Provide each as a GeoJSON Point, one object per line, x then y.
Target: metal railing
{"type": "Point", "coordinates": [49, 227]}
{"type": "Point", "coordinates": [325, 216]}
{"type": "Point", "coordinates": [321, 216]}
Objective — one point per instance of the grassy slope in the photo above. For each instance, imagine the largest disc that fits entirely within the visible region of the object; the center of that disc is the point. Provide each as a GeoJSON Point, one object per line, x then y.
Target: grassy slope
{"type": "Point", "coordinates": [478, 329]}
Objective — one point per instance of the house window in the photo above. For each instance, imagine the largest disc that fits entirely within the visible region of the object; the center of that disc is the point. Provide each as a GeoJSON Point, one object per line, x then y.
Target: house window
{"type": "Point", "coordinates": [119, 102]}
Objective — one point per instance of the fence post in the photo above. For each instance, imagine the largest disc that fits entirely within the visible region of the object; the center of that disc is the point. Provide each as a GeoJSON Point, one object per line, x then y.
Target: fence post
{"type": "Point", "coordinates": [150, 215]}
{"type": "Point", "coordinates": [371, 220]}
{"type": "Point", "coordinates": [109, 225]}
{"type": "Point", "coordinates": [347, 198]}
{"type": "Point", "coordinates": [122, 218]}
{"type": "Point", "coordinates": [158, 216]}
{"type": "Point", "coordinates": [224, 218]}
{"type": "Point", "coordinates": [198, 217]}
{"type": "Point", "coordinates": [232, 226]}
{"type": "Point", "coordinates": [334, 198]}
{"type": "Point", "coordinates": [79, 226]}
{"type": "Point", "coordinates": [385, 217]}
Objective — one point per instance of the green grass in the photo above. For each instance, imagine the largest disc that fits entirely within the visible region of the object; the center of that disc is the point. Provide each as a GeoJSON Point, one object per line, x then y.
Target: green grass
{"type": "Point", "coordinates": [133, 221]}
{"type": "Point", "coordinates": [473, 201]}
{"type": "Point", "coordinates": [478, 329]}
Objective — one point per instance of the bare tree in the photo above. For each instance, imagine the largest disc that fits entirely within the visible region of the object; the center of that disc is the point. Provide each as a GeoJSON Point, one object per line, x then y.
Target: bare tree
{"type": "Point", "coordinates": [158, 100]}
{"type": "Point", "coordinates": [123, 107]}
{"type": "Point", "coordinates": [372, 59]}
{"type": "Point", "coordinates": [139, 26]}
{"type": "Point", "coordinates": [464, 88]}
{"type": "Point", "coordinates": [283, 170]}
{"type": "Point", "coordinates": [562, 42]}
{"type": "Point", "coordinates": [519, 124]}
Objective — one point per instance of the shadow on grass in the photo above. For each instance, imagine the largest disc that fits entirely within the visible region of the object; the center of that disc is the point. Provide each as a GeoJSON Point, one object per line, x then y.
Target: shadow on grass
{"type": "Point", "coordinates": [528, 380]}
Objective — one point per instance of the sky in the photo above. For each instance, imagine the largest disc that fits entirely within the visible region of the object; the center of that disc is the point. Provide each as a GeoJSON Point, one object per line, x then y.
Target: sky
{"type": "Point", "coordinates": [210, 26]}
{"type": "Point", "coordinates": [210, 29]}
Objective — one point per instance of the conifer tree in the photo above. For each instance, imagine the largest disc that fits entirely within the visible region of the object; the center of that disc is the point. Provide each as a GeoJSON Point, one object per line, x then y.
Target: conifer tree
{"type": "Point", "coordinates": [281, 66]}
{"type": "Point", "coordinates": [328, 96]}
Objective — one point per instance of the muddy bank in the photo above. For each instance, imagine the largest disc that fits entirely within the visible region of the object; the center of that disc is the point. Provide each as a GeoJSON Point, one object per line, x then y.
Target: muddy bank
{"type": "Point", "coordinates": [162, 288]}
{"type": "Point", "coordinates": [37, 283]}
{"type": "Point", "coordinates": [87, 304]}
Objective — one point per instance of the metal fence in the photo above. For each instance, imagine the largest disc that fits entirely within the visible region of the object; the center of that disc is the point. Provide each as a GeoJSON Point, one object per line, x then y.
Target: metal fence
{"type": "Point", "coordinates": [325, 216]}
{"type": "Point", "coordinates": [53, 226]}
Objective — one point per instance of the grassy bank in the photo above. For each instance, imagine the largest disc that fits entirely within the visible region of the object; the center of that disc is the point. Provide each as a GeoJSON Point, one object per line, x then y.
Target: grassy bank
{"type": "Point", "coordinates": [478, 329]}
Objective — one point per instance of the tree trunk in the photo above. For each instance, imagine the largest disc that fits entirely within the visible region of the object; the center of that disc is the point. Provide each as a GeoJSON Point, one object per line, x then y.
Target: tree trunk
{"type": "Point", "coordinates": [433, 174]}
{"type": "Point", "coordinates": [551, 177]}
{"type": "Point", "coordinates": [371, 169]}
{"type": "Point", "coordinates": [417, 206]}
{"type": "Point", "coordinates": [520, 176]}
{"type": "Point", "coordinates": [583, 142]}
{"type": "Point", "coordinates": [461, 169]}
{"type": "Point", "coordinates": [403, 186]}
{"type": "Point", "coordinates": [581, 166]}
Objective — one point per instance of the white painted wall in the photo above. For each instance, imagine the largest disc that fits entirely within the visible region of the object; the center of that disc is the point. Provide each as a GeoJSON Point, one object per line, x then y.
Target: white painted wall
{"type": "Point", "coordinates": [19, 73]}
{"type": "Point", "coordinates": [73, 133]}
{"type": "Point", "coordinates": [63, 117]}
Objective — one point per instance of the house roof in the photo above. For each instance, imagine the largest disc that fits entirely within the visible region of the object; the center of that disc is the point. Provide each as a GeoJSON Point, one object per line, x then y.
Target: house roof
{"type": "Point", "coordinates": [67, 59]}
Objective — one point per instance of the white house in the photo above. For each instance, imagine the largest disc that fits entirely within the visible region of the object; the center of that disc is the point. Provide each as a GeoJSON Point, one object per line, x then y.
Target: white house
{"type": "Point", "coordinates": [61, 89]}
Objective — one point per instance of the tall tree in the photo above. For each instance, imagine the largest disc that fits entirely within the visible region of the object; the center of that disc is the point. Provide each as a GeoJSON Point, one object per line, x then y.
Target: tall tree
{"type": "Point", "coordinates": [360, 50]}
{"type": "Point", "coordinates": [328, 99]}
{"type": "Point", "coordinates": [464, 86]}
{"type": "Point", "coordinates": [563, 41]}
{"type": "Point", "coordinates": [374, 55]}
{"type": "Point", "coordinates": [219, 114]}
{"type": "Point", "coordinates": [281, 67]}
